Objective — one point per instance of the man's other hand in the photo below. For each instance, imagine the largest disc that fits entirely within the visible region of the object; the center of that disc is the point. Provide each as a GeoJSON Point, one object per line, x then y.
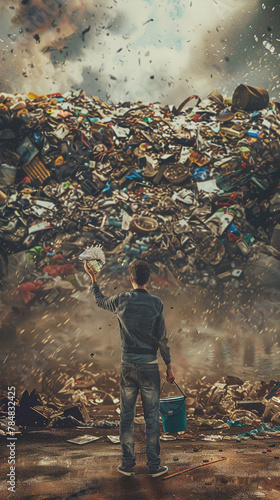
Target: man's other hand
{"type": "Point", "coordinates": [170, 377]}
{"type": "Point", "coordinates": [90, 272]}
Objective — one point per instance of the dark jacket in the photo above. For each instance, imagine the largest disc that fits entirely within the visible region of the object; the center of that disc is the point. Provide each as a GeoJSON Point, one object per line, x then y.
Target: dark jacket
{"type": "Point", "coordinates": [141, 320]}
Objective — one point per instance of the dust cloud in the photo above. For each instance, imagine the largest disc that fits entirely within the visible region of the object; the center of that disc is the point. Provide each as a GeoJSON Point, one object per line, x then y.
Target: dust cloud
{"type": "Point", "coordinates": [123, 50]}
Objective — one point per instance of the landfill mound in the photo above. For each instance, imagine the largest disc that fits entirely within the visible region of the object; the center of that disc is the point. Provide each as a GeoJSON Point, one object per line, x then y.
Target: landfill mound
{"type": "Point", "coordinates": [194, 191]}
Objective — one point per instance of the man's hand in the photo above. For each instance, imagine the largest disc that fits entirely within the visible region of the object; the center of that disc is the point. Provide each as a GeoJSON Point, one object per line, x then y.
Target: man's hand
{"type": "Point", "coordinates": [170, 377]}
{"type": "Point", "coordinates": [90, 272]}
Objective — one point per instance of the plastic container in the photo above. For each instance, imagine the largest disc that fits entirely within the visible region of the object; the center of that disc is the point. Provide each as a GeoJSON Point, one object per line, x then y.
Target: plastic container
{"type": "Point", "coordinates": [253, 133]}
{"type": "Point", "coordinates": [173, 412]}
{"type": "Point", "coordinates": [250, 98]}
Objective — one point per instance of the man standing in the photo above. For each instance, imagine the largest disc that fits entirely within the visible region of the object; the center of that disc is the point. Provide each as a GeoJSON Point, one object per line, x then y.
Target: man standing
{"type": "Point", "coordinates": [143, 331]}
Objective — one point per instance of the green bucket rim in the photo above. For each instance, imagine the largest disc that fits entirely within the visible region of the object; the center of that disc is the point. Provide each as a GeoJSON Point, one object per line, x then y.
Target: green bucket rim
{"type": "Point", "coordinates": [171, 398]}
{"type": "Point", "coordinates": [175, 412]}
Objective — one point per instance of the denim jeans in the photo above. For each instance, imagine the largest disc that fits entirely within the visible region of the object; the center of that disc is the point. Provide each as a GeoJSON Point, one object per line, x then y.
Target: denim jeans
{"type": "Point", "coordinates": [146, 379]}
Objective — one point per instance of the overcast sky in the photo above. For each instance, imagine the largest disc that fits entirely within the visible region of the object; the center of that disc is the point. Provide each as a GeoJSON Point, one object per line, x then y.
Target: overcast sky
{"type": "Point", "coordinates": [153, 50]}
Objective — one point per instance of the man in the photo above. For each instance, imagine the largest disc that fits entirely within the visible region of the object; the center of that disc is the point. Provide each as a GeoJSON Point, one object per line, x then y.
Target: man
{"type": "Point", "coordinates": [143, 331]}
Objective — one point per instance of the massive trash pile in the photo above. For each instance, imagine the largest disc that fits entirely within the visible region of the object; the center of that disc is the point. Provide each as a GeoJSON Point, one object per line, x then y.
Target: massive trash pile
{"type": "Point", "coordinates": [194, 191]}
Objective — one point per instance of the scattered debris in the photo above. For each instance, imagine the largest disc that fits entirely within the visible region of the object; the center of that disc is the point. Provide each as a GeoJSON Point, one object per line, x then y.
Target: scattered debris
{"type": "Point", "coordinates": [85, 439]}
{"type": "Point", "coordinates": [205, 464]}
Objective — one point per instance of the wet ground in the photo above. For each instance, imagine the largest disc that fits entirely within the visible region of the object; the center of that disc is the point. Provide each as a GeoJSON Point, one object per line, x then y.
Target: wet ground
{"type": "Point", "coordinates": [48, 467]}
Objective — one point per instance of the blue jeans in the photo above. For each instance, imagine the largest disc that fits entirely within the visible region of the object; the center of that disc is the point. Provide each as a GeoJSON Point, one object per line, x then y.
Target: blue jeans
{"type": "Point", "coordinates": [146, 379]}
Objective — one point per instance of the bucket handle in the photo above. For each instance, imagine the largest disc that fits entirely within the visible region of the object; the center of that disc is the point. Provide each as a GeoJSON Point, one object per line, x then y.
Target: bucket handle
{"type": "Point", "coordinates": [176, 385]}
{"type": "Point", "coordinates": [181, 406]}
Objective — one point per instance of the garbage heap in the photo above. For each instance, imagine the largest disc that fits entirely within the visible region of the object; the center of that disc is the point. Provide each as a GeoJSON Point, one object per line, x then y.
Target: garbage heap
{"type": "Point", "coordinates": [194, 190]}
{"type": "Point", "coordinates": [84, 399]}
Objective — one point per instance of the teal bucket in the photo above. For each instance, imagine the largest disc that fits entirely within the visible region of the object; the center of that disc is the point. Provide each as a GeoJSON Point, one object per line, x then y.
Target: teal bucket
{"type": "Point", "coordinates": [173, 412]}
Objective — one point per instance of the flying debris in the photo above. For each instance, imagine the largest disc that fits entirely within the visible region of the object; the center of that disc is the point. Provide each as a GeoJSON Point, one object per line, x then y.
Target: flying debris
{"type": "Point", "coordinates": [37, 38]}
{"type": "Point", "coordinates": [84, 32]}
{"type": "Point", "coordinates": [48, 49]}
{"type": "Point", "coordinates": [269, 46]}
{"type": "Point", "coordinates": [149, 20]}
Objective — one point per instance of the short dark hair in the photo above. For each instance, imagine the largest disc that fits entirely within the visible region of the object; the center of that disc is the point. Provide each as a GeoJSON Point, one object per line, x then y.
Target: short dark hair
{"type": "Point", "coordinates": [140, 272]}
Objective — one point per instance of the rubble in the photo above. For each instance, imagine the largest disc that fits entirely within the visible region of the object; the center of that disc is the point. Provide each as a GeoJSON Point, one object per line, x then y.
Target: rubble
{"type": "Point", "coordinates": [84, 439]}
{"type": "Point", "coordinates": [259, 416]}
